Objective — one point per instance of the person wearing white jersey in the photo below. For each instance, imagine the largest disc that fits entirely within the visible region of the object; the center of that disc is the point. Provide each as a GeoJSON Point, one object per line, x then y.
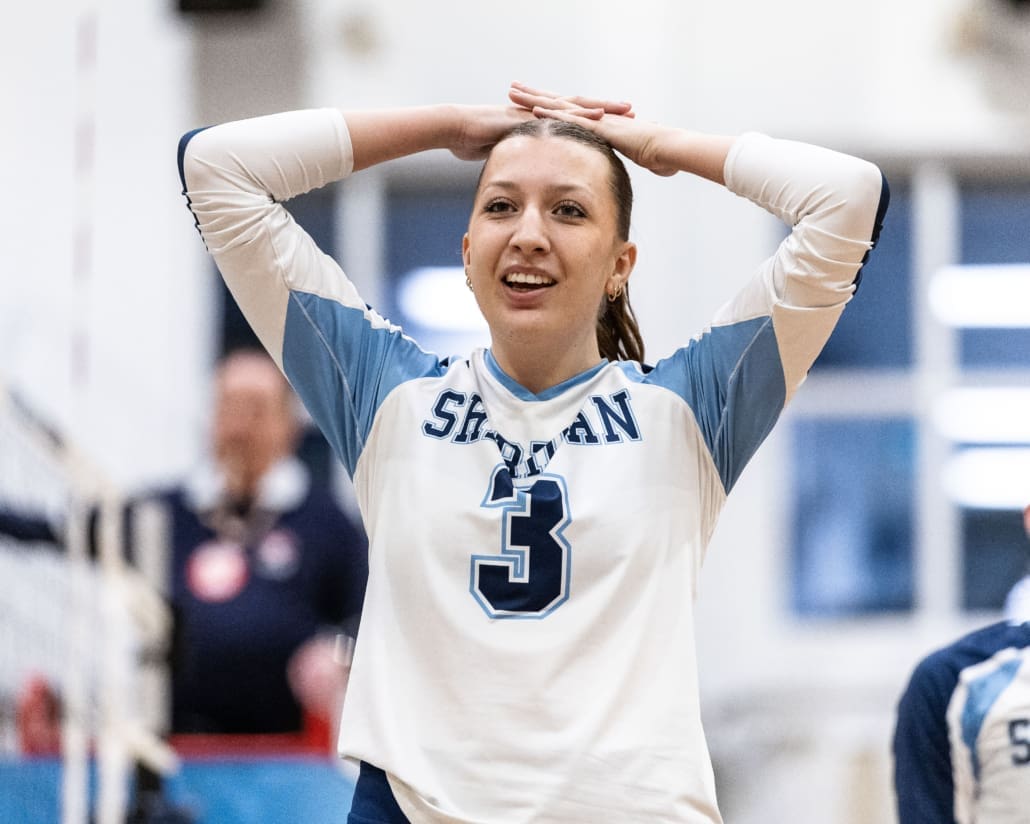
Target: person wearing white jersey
{"type": "Point", "coordinates": [537, 511]}
{"type": "Point", "coordinates": [962, 735]}
{"type": "Point", "coordinates": [962, 731]}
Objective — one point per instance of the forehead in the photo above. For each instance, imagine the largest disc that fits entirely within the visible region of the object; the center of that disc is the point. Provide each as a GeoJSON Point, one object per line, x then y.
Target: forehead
{"type": "Point", "coordinates": [250, 375]}
{"type": "Point", "coordinates": [546, 160]}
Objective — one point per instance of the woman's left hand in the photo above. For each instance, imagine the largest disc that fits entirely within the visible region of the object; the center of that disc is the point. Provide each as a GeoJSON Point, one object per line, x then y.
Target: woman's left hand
{"type": "Point", "coordinates": [593, 108]}
{"type": "Point", "coordinates": [614, 121]}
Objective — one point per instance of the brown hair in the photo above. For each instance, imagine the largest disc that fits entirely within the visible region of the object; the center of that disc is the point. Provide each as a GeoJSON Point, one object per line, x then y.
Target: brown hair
{"type": "Point", "coordinates": [618, 335]}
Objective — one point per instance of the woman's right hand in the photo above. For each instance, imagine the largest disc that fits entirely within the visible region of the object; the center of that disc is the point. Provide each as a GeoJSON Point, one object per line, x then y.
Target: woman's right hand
{"type": "Point", "coordinates": [480, 127]}
{"type": "Point", "coordinates": [468, 132]}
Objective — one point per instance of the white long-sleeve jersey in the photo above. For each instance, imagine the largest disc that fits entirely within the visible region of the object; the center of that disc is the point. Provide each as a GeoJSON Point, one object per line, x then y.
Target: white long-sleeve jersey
{"type": "Point", "coordinates": [962, 737]}
{"type": "Point", "coordinates": [527, 643]}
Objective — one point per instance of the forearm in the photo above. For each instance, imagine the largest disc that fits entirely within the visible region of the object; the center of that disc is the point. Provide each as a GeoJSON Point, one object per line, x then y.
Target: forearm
{"type": "Point", "coordinates": [303, 308]}
{"type": "Point", "coordinates": [834, 205]}
{"type": "Point", "coordinates": [799, 182]}
{"type": "Point", "coordinates": [696, 153]}
{"type": "Point", "coordinates": [381, 135]}
{"type": "Point", "coordinates": [287, 154]}
{"type": "Point", "coordinates": [235, 177]}
{"type": "Point", "coordinates": [245, 164]}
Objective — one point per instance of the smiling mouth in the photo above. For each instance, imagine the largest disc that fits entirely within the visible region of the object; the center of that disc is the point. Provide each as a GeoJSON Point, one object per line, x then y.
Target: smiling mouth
{"type": "Point", "coordinates": [526, 282]}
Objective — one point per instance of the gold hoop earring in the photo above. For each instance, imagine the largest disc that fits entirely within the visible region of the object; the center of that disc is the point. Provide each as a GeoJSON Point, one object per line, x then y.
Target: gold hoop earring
{"type": "Point", "coordinates": [615, 293]}
{"type": "Point", "coordinates": [468, 281]}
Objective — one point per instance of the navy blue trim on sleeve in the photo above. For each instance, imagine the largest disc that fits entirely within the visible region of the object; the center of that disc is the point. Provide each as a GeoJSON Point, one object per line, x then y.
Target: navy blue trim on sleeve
{"type": "Point", "coordinates": [881, 214]}
{"type": "Point", "coordinates": [181, 156]}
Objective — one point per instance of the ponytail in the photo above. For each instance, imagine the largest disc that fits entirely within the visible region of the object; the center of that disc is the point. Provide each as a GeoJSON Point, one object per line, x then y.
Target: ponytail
{"type": "Point", "coordinates": [618, 336]}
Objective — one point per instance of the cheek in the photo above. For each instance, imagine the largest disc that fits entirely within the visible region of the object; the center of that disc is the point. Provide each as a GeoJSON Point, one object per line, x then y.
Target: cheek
{"type": "Point", "coordinates": [481, 246]}
{"type": "Point", "coordinates": [597, 267]}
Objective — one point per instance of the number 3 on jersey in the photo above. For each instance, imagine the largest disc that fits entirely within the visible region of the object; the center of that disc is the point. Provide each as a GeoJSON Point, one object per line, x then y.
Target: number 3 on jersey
{"type": "Point", "coordinates": [530, 578]}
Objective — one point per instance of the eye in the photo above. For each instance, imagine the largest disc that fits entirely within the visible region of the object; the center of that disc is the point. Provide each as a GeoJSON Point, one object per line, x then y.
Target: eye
{"type": "Point", "coordinates": [569, 208]}
{"type": "Point", "coordinates": [499, 206]}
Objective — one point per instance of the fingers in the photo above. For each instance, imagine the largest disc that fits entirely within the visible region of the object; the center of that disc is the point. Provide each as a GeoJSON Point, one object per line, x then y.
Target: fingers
{"type": "Point", "coordinates": [608, 106]}
{"type": "Point", "coordinates": [628, 136]}
{"type": "Point", "coordinates": [522, 87]}
{"type": "Point", "coordinates": [530, 97]}
{"type": "Point", "coordinates": [569, 115]}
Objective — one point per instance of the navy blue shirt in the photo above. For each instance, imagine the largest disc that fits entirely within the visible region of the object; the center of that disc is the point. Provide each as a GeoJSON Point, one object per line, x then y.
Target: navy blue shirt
{"type": "Point", "coordinates": [243, 606]}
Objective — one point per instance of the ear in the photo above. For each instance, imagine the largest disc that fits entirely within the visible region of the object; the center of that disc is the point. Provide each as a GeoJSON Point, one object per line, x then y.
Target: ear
{"type": "Point", "coordinates": [466, 254]}
{"type": "Point", "coordinates": [624, 262]}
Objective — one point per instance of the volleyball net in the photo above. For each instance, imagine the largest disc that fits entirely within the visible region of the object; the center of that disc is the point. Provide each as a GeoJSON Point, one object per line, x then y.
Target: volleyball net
{"type": "Point", "coordinates": [78, 625]}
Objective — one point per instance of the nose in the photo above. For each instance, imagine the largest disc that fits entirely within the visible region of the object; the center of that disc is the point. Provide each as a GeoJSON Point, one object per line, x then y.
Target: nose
{"type": "Point", "coordinates": [530, 233]}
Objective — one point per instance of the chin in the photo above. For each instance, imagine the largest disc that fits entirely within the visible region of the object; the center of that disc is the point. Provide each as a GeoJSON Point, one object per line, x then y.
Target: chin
{"type": "Point", "coordinates": [526, 330]}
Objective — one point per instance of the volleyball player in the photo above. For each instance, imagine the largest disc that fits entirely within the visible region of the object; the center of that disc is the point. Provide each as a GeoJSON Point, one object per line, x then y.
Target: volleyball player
{"type": "Point", "coordinates": [962, 733]}
{"type": "Point", "coordinates": [538, 511]}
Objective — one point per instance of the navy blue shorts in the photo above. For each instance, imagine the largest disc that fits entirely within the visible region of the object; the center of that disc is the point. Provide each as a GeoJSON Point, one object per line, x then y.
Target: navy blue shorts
{"type": "Point", "coordinates": [373, 799]}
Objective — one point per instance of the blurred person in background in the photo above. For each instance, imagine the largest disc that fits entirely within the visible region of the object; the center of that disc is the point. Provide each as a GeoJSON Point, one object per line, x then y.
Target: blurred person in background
{"type": "Point", "coordinates": [267, 574]}
{"type": "Point", "coordinates": [267, 570]}
{"type": "Point", "coordinates": [962, 734]}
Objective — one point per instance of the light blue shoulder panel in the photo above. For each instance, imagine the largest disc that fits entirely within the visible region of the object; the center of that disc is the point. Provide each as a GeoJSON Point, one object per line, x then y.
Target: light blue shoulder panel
{"type": "Point", "coordinates": [732, 380]}
{"type": "Point", "coordinates": [343, 362]}
{"type": "Point", "coordinates": [982, 694]}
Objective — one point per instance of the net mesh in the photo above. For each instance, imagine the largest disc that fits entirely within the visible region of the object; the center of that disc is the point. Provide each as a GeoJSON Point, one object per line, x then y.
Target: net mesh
{"type": "Point", "coordinates": [35, 607]}
{"type": "Point", "coordinates": [73, 621]}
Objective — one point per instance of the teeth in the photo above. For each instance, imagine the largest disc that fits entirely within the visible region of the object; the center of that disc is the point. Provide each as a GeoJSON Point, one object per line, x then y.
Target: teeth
{"type": "Point", "coordinates": [524, 277]}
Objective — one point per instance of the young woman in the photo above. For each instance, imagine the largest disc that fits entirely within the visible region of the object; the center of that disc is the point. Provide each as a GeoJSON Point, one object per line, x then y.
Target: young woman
{"type": "Point", "coordinates": [538, 512]}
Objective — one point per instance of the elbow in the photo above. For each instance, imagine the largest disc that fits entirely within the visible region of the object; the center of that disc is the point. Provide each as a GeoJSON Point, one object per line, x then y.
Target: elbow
{"type": "Point", "coordinates": [868, 196]}
{"type": "Point", "coordinates": [858, 206]}
{"type": "Point", "coordinates": [870, 183]}
{"type": "Point", "coordinates": [882, 200]}
{"type": "Point", "coordinates": [184, 157]}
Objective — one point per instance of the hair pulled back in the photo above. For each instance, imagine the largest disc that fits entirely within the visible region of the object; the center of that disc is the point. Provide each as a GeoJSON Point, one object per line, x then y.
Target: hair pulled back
{"type": "Point", "coordinates": [618, 335]}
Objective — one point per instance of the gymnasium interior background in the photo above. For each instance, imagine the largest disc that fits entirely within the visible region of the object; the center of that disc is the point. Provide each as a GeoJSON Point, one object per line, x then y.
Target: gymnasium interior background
{"type": "Point", "coordinates": [883, 516]}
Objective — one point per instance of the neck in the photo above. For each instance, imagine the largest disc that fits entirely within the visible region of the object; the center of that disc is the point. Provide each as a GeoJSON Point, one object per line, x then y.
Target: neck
{"type": "Point", "coordinates": [538, 366]}
{"type": "Point", "coordinates": [243, 477]}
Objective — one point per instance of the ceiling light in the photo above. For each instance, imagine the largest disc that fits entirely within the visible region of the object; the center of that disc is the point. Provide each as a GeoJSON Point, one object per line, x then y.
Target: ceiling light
{"type": "Point", "coordinates": [989, 478]}
{"type": "Point", "coordinates": [983, 296]}
{"type": "Point", "coordinates": [998, 414]}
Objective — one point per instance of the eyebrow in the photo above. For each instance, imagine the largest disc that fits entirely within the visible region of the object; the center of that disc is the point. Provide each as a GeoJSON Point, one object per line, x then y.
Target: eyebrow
{"type": "Point", "coordinates": [557, 188]}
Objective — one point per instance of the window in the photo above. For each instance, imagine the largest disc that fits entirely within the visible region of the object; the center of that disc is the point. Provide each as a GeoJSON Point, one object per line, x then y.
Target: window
{"type": "Point", "coordinates": [995, 229]}
{"type": "Point", "coordinates": [426, 293]}
{"type": "Point", "coordinates": [995, 550]}
{"type": "Point", "coordinates": [852, 516]}
{"type": "Point", "coordinates": [913, 417]}
{"type": "Point", "coordinates": [876, 328]}
{"type": "Point", "coordinates": [994, 556]}
{"type": "Point", "coordinates": [853, 455]}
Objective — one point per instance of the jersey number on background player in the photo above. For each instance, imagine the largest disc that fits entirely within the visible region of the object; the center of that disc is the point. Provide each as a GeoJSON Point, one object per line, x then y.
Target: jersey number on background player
{"type": "Point", "coordinates": [1019, 737]}
{"type": "Point", "coordinates": [530, 578]}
